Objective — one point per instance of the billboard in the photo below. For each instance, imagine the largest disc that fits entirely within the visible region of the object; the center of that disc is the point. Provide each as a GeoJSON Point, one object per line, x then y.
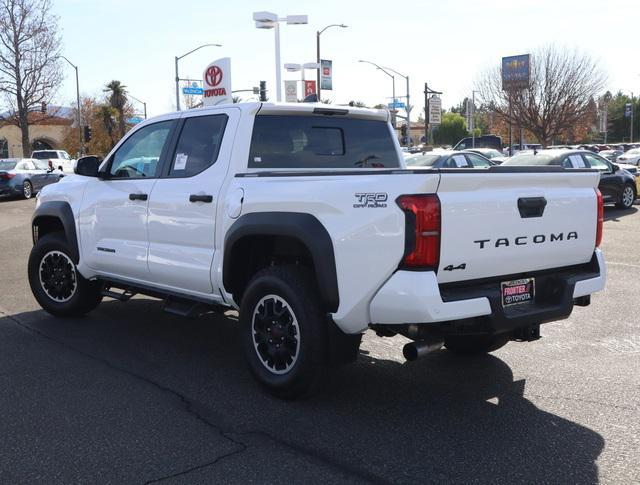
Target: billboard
{"type": "Point", "coordinates": [216, 82]}
{"type": "Point", "coordinates": [326, 74]}
{"type": "Point", "coordinates": [435, 110]}
{"type": "Point", "coordinates": [291, 91]}
{"type": "Point", "coordinates": [516, 72]}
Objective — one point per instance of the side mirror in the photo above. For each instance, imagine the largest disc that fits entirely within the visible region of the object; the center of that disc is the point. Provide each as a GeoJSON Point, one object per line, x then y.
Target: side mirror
{"type": "Point", "coordinates": [614, 167]}
{"type": "Point", "coordinates": [88, 166]}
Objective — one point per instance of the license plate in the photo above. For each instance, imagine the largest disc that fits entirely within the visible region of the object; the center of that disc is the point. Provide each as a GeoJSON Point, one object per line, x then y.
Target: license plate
{"type": "Point", "coordinates": [517, 292]}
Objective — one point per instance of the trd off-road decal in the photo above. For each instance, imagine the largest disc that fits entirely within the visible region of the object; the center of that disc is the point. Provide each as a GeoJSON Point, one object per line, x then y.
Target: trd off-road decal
{"type": "Point", "coordinates": [370, 200]}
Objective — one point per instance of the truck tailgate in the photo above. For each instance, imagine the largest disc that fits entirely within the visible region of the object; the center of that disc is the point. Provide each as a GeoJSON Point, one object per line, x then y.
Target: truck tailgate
{"type": "Point", "coordinates": [498, 222]}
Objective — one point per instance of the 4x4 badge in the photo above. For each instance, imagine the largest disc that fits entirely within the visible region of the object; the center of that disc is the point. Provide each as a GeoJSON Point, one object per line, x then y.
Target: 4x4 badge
{"type": "Point", "coordinates": [452, 267]}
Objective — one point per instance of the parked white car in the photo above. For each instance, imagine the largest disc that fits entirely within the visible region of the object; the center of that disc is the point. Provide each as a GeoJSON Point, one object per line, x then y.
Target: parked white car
{"type": "Point", "coordinates": [631, 157]}
{"type": "Point", "coordinates": [59, 158]}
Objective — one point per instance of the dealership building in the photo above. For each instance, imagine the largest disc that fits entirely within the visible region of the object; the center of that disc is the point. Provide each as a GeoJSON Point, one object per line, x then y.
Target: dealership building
{"type": "Point", "coordinates": [46, 131]}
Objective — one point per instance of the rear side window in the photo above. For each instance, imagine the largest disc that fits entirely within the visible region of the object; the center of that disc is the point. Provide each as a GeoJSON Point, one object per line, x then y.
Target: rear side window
{"type": "Point", "coordinates": [198, 145]}
{"type": "Point", "coordinates": [281, 141]}
{"type": "Point", "coordinates": [45, 154]}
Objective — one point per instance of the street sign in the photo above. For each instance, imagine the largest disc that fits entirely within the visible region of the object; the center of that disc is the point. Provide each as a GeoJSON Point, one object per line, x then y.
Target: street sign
{"type": "Point", "coordinates": [435, 110]}
{"type": "Point", "coordinates": [397, 105]}
{"type": "Point", "coordinates": [194, 91]}
{"type": "Point", "coordinates": [516, 72]}
{"type": "Point", "coordinates": [309, 88]}
{"type": "Point", "coordinates": [603, 121]}
{"type": "Point", "coordinates": [217, 82]}
{"type": "Point", "coordinates": [627, 110]}
{"type": "Point", "coordinates": [326, 74]}
{"type": "Point", "coordinates": [291, 91]}
{"type": "Point", "coordinates": [134, 120]}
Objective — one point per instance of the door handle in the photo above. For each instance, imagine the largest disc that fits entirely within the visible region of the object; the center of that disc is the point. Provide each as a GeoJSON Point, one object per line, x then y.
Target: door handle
{"type": "Point", "coordinates": [201, 198]}
{"type": "Point", "coordinates": [531, 206]}
{"type": "Point", "coordinates": [138, 196]}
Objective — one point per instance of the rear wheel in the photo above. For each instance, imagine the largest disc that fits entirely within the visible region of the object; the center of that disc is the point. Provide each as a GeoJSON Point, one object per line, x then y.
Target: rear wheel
{"type": "Point", "coordinates": [627, 197]}
{"type": "Point", "coordinates": [27, 189]}
{"type": "Point", "coordinates": [474, 344]}
{"type": "Point", "coordinates": [55, 282]}
{"type": "Point", "coordinates": [284, 331]}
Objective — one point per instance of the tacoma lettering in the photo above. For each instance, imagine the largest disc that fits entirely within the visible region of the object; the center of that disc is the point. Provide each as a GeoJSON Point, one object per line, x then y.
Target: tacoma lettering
{"type": "Point", "coordinates": [524, 240]}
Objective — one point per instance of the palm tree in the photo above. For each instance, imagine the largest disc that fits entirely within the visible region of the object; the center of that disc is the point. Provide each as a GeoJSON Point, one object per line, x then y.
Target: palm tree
{"type": "Point", "coordinates": [105, 113]}
{"type": "Point", "coordinates": [118, 100]}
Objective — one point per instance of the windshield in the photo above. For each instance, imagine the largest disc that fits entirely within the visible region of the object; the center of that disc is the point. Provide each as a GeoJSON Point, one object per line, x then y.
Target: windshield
{"type": "Point", "coordinates": [45, 154]}
{"type": "Point", "coordinates": [422, 160]}
{"type": "Point", "coordinates": [529, 159]}
{"type": "Point", "coordinates": [7, 165]}
{"type": "Point", "coordinates": [634, 151]}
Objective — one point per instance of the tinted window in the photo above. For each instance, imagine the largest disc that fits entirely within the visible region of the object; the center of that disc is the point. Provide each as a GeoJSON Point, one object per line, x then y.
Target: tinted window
{"type": "Point", "coordinates": [321, 142]}
{"type": "Point", "coordinates": [596, 162]}
{"type": "Point", "coordinates": [45, 155]}
{"type": "Point", "coordinates": [139, 155]}
{"type": "Point", "coordinates": [198, 145]}
{"type": "Point", "coordinates": [7, 165]}
{"type": "Point", "coordinates": [456, 161]}
{"type": "Point", "coordinates": [529, 159]}
{"type": "Point", "coordinates": [478, 161]}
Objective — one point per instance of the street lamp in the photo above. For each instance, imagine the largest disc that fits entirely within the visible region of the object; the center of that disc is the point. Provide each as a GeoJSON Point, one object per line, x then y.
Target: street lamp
{"type": "Point", "coordinates": [81, 146]}
{"type": "Point", "coordinates": [302, 68]}
{"type": "Point", "coordinates": [318, 34]}
{"type": "Point", "coordinates": [178, 77]}
{"type": "Point", "coordinates": [393, 84]}
{"type": "Point", "coordinates": [269, 20]}
{"type": "Point", "coordinates": [408, 104]}
{"type": "Point", "coordinates": [139, 101]}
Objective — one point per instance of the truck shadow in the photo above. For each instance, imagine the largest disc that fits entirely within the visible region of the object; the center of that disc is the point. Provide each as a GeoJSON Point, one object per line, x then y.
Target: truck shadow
{"type": "Point", "coordinates": [612, 213]}
{"type": "Point", "coordinates": [440, 419]}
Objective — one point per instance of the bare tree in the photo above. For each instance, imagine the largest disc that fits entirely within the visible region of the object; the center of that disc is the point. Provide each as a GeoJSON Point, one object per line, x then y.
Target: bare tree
{"type": "Point", "coordinates": [563, 83]}
{"type": "Point", "coordinates": [30, 71]}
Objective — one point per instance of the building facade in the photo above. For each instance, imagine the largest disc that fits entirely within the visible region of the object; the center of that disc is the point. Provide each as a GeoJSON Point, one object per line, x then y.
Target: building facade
{"type": "Point", "coordinates": [46, 131]}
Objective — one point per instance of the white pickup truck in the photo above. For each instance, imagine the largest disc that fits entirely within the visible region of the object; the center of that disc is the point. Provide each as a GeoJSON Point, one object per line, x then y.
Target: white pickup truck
{"type": "Point", "coordinates": [58, 158]}
{"type": "Point", "coordinates": [305, 219]}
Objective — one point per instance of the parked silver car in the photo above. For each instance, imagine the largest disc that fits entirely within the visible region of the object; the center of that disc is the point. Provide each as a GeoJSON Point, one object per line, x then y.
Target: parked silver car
{"type": "Point", "coordinates": [26, 176]}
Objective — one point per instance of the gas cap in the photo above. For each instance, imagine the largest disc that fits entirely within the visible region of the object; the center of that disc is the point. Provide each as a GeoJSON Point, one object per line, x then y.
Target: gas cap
{"type": "Point", "coordinates": [234, 203]}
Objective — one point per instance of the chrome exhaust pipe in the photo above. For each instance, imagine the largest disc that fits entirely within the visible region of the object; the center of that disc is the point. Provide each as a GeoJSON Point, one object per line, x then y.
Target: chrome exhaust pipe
{"type": "Point", "coordinates": [414, 350]}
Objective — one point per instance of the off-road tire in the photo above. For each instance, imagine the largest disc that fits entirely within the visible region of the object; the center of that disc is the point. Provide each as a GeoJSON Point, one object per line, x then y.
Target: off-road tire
{"type": "Point", "coordinates": [474, 344]}
{"type": "Point", "coordinates": [294, 296]}
{"type": "Point", "coordinates": [84, 295]}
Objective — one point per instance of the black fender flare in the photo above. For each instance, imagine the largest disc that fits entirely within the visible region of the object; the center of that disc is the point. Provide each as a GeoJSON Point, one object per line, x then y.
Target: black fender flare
{"type": "Point", "coordinates": [62, 211]}
{"type": "Point", "coordinates": [305, 228]}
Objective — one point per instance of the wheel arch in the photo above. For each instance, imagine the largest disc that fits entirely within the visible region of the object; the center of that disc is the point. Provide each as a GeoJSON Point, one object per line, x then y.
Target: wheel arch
{"type": "Point", "coordinates": [269, 234]}
{"type": "Point", "coordinates": [56, 216]}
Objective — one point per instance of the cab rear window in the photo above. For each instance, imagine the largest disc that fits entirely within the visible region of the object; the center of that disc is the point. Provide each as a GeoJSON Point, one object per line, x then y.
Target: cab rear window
{"type": "Point", "coordinates": [294, 142]}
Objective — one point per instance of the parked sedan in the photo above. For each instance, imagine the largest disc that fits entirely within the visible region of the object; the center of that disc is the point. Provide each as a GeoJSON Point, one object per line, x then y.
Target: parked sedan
{"type": "Point", "coordinates": [616, 184]}
{"type": "Point", "coordinates": [448, 159]}
{"type": "Point", "coordinates": [632, 157]}
{"type": "Point", "coordinates": [26, 176]}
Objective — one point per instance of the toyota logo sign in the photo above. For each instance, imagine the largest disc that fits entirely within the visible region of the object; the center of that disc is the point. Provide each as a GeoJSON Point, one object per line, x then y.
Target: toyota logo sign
{"type": "Point", "coordinates": [216, 79]}
{"type": "Point", "coordinates": [213, 76]}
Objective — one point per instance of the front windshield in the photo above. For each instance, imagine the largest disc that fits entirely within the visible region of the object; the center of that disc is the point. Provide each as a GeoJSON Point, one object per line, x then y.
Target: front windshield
{"type": "Point", "coordinates": [422, 160]}
{"type": "Point", "coordinates": [7, 165]}
{"type": "Point", "coordinates": [634, 151]}
{"type": "Point", "coordinates": [490, 154]}
{"type": "Point", "coordinates": [529, 159]}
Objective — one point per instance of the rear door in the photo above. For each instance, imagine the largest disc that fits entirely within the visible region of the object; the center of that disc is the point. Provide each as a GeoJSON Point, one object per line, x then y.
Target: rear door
{"type": "Point", "coordinates": [500, 223]}
{"type": "Point", "coordinates": [183, 206]}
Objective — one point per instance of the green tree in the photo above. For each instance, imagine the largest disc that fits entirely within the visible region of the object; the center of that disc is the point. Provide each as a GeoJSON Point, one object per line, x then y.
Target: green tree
{"type": "Point", "coordinates": [452, 129]}
{"type": "Point", "coordinates": [118, 101]}
{"type": "Point", "coordinates": [619, 125]}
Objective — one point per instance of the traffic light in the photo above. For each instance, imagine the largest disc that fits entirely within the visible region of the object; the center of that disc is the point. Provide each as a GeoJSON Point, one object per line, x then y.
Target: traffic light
{"type": "Point", "coordinates": [263, 90]}
{"type": "Point", "coordinates": [403, 131]}
{"type": "Point", "coordinates": [87, 133]}
{"type": "Point", "coordinates": [43, 108]}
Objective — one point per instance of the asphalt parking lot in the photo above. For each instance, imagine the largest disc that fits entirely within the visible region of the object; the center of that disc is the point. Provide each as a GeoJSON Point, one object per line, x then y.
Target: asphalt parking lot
{"type": "Point", "coordinates": [133, 395]}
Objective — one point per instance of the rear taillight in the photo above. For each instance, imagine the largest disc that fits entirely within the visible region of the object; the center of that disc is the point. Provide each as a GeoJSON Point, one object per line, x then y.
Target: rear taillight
{"type": "Point", "coordinates": [600, 221]}
{"type": "Point", "coordinates": [6, 175]}
{"type": "Point", "coordinates": [422, 233]}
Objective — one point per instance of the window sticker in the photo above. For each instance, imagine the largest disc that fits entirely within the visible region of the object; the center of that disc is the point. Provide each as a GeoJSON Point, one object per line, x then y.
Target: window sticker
{"type": "Point", "coordinates": [460, 161]}
{"type": "Point", "coordinates": [181, 161]}
{"type": "Point", "coordinates": [577, 161]}
{"type": "Point", "coordinates": [257, 159]}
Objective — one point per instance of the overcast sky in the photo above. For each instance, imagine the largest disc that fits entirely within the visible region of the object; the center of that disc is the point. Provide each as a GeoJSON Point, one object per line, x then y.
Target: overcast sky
{"type": "Point", "coordinates": [445, 43]}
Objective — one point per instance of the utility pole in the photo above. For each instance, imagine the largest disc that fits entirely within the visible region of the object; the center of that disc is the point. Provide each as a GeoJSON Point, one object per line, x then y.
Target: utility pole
{"type": "Point", "coordinates": [631, 129]}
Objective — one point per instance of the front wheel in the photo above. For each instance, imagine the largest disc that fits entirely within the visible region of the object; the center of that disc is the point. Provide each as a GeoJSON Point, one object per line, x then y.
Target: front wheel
{"type": "Point", "coordinates": [627, 197]}
{"type": "Point", "coordinates": [56, 283]}
{"type": "Point", "coordinates": [474, 344]}
{"type": "Point", "coordinates": [284, 331]}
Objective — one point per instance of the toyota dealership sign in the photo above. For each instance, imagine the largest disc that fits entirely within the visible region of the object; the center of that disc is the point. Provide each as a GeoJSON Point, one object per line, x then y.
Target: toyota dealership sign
{"type": "Point", "coordinates": [216, 82]}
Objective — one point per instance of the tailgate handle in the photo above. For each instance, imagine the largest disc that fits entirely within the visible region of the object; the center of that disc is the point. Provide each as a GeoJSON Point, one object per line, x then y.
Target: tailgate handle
{"type": "Point", "coordinates": [531, 206]}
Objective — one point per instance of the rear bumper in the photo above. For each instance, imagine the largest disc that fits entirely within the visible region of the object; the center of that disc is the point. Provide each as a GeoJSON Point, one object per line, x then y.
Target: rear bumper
{"type": "Point", "coordinates": [6, 189]}
{"type": "Point", "coordinates": [411, 297]}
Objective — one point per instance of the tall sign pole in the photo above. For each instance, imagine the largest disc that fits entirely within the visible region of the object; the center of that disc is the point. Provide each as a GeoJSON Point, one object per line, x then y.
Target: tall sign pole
{"type": "Point", "coordinates": [516, 73]}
